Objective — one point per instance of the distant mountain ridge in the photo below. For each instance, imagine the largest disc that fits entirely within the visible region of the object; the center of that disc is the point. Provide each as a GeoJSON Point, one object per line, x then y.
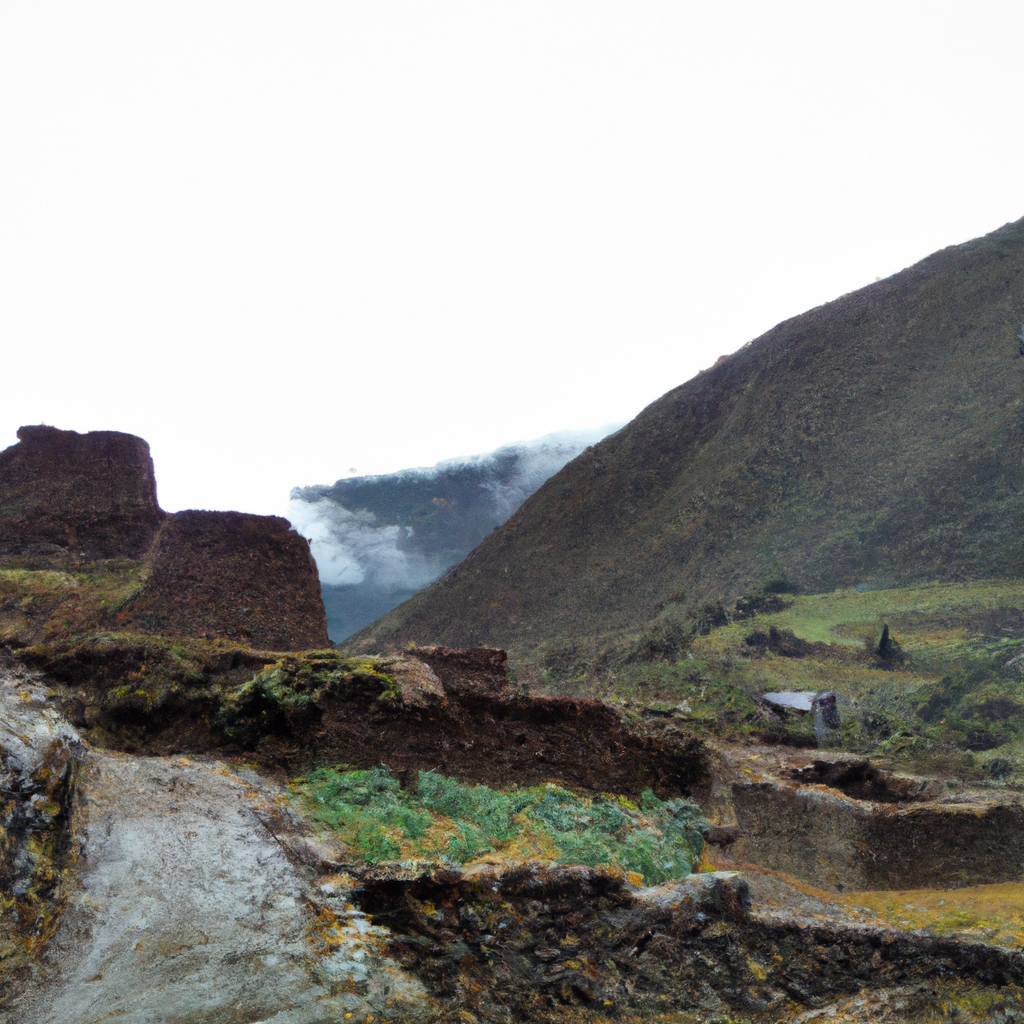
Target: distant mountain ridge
{"type": "Point", "coordinates": [380, 539]}
{"type": "Point", "coordinates": [875, 440]}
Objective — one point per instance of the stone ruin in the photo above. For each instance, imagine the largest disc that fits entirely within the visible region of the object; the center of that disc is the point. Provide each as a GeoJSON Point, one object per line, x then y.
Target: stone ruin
{"type": "Point", "coordinates": [68, 498]}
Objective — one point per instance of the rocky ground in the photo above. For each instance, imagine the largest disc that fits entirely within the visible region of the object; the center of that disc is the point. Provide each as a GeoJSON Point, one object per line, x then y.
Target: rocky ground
{"type": "Point", "coordinates": [178, 889]}
{"type": "Point", "coordinates": [187, 907]}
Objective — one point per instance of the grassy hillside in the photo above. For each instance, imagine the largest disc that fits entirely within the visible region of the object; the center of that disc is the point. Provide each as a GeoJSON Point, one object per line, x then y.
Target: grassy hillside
{"type": "Point", "coordinates": [947, 699]}
{"type": "Point", "coordinates": [876, 440]}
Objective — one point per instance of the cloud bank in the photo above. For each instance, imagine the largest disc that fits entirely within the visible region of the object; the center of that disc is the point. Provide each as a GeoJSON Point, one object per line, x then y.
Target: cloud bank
{"type": "Point", "coordinates": [377, 540]}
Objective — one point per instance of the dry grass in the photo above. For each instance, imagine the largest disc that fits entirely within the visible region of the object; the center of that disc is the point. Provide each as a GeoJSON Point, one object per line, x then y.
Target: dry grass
{"type": "Point", "coordinates": [983, 913]}
{"type": "Point", "coordinates": [38, 605]}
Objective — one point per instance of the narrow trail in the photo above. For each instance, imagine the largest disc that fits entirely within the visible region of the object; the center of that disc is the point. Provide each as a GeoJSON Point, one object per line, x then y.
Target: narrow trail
{"type": "Point", "coordinates": [187, 910]}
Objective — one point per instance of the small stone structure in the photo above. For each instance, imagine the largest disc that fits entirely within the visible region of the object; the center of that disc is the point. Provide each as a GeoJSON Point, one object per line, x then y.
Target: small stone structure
{"type": "Point", "coordinates": [70, 497]}
{"type": "Point", "coordinates": [824, 705]}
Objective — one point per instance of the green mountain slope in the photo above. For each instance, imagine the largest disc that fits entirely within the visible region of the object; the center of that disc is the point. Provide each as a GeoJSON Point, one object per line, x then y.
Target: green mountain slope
{"type": "Point", "coordinates": [875, 440]}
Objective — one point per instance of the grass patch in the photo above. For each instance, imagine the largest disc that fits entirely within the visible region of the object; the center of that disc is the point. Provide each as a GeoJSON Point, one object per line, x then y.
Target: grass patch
{"type": "Point", "coordinates": [456, 823]}
{"type": "Point", "coordinates": [37, 605]}
{"type": "Point", "coordinates": [945, 617]}
{"type": "Point", "coordinates": [951, 703]}
{"type": "Point", "coordinates": [985, 913]}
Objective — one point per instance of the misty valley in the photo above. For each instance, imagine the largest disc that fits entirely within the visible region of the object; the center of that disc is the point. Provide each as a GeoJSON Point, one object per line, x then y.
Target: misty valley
{"type": "Point", "coordinates": [717, 716]}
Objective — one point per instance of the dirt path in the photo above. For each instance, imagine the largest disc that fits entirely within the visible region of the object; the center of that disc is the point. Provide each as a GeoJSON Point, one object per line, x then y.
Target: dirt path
{"type": "Point", "coordinates": [188, 909]}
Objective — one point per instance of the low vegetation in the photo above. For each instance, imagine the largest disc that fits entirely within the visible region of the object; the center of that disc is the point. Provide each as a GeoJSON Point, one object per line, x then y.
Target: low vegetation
{"type": "Point", "coordinates": [445, 820]}
{"type": "Point", "coordinates": [928, 678]}
{"type": "Point", "coordinates": [43, 604]}
{"type": "Point", "coordinates": [992, 914]}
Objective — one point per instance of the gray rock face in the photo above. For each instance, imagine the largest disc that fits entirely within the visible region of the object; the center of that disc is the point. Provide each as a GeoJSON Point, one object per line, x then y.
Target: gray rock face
{"type": "Point", "coordinates": [826, 714]}
{"type": "Point", "coordinates": [188, 909]}
{"type": "Point", "coordinates": [39, 755]}
{"type": "Point", "coordinates": [37, 746]}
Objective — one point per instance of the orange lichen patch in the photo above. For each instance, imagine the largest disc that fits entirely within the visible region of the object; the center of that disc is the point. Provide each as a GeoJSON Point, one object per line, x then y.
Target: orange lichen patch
{"type": "Point", "coordinates": [992, 914]}
{"type": "Point", "coordinates": [326, 932]}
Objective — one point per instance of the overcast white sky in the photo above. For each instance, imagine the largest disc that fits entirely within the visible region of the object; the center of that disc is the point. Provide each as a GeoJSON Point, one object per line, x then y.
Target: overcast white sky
{"type": "Point", "coordinates": [284, 241]}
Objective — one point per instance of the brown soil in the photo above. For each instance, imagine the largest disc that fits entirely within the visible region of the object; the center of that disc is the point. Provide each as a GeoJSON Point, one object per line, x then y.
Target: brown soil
{"type": "Point", "coordinates": [88, 494]}
{"type": "Point", "coordinates": [87, 502]}
{"type": "Point", "coordinates": [464, 720]}
{"type": "Point", "coordinates": [836, 842]}
{"type": "Point", "coordinates": [862, 780]}
{"type": "Point", "coordinates": [483, 732]}
{"type": "Point", "coordinates": [242, 577]}
{"type": "Point", "coordinates": [539, 942]}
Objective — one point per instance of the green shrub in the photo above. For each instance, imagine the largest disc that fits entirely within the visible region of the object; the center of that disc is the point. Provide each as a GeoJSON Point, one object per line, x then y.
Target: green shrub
{"type": "Point", "coordinates": [493, 810]}
{"type": "Point", "coordinates": [664, 640]}
{"type": "Point", "coordinates": [374, 843]}
{"type": "Point", "coordinates": [458, 822]}
{"type": "Point", "coordinates": [362, 802]}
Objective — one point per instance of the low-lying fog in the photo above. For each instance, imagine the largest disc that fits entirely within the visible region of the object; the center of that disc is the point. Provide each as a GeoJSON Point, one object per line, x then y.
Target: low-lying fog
{"type": "Point", "coordinates": [377, 540]}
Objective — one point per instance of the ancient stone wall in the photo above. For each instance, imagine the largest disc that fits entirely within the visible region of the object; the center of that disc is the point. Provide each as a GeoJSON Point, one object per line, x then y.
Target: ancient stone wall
{"type": "Point", "coordinates": [235, 576]}
{"type": "Point", "coordinates": [91, 494]}
{"type": "Point", "coordinates": [835, 842]}
{"type": "Point", "coordinates": [228, 575]}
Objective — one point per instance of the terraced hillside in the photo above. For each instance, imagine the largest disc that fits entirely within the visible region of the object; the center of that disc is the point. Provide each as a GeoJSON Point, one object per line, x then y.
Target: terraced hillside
{"type": "Point", "coordinates": [432, 840]}
{"type": "Point", "coordinates": [943, 695]}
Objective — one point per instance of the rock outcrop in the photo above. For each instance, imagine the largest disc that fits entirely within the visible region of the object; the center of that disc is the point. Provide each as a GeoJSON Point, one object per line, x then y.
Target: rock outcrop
{"type": "Point", "coordinates": [528, 943]}
{"type": "Point", "coordinates": [267, 915]}
{"type": "Point", "coordinates": [39, 758]}
{"type": "Point", "coordinates": [91, 494]}
{"type": "Point", "coordinates": [235, 576]}
{"type": "Point", "coordinates": [235, 930]}
{"type": "Point", "coordinates": [834, 841]}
